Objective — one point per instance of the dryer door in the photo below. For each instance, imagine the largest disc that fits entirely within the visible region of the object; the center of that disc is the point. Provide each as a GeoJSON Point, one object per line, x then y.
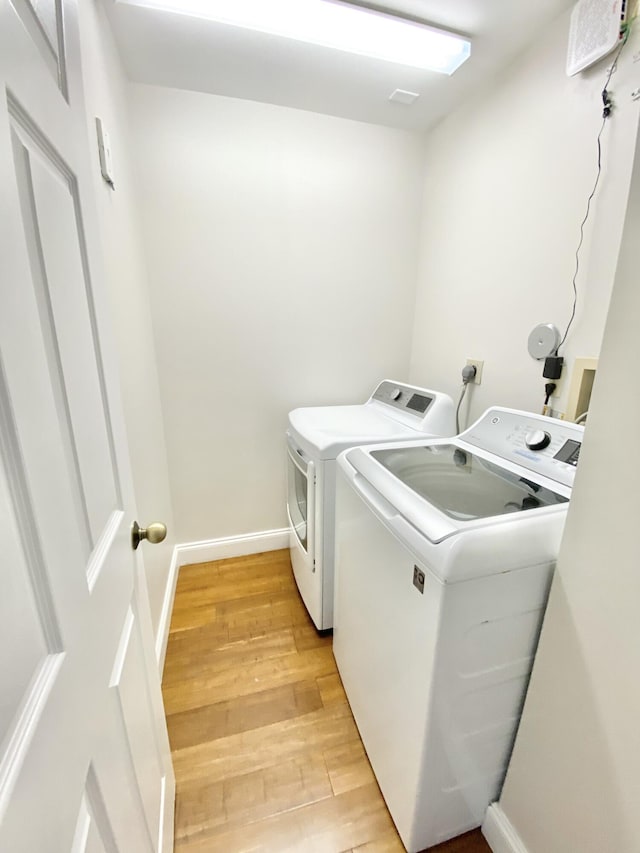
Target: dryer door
{"type": "Point", "coordinates": [300, 481]}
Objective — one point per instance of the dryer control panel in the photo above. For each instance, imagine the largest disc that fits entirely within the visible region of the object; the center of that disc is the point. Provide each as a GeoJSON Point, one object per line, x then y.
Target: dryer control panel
{"type": "Point", "coordinates": [431, 412]}
{"type": "Point", "coordinates": [545, 445]}
{"type": "Point", "coordinates": [403, 397]}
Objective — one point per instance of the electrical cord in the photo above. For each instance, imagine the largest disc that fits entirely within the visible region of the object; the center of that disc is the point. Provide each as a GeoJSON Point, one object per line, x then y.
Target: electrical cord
{"type": "Point", "coordinates": [462, 393]}
{"type": "Point", "coordinates": [468, 373]}
{"type": "Point", "coordinates": [549, 388]}
{"type": "Point", "coordinates": [606, 112]}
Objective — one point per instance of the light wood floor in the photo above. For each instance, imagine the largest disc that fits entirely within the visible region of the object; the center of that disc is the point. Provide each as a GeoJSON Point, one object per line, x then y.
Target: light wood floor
{"type": "Point", "coordinates": [266, 753]}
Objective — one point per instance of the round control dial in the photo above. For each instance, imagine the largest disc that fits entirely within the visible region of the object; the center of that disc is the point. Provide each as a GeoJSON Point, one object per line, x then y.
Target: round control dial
{"type": "Point", "coordinates": [538, 439]}
{"type": "Point", "coordinates": [396, 394]}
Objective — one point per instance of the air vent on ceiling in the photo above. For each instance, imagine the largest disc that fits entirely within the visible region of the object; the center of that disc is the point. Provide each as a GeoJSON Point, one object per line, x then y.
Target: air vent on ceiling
{"type": "Point", "coordinates": [594, 32]}
{"type": "Point", "coordinates": [401, 96]}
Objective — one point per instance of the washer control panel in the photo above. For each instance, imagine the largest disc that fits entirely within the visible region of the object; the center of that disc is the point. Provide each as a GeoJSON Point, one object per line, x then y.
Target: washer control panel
{"type": "Point", "coordinates": [545, 445]}
{"type": "Point", "coordinates": [537, 440]}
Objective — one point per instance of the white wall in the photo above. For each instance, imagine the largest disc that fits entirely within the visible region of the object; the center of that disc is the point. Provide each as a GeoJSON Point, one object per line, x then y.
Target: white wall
{"type": "Point", "coordinates": [507, 180]}
{"type": "Point", "coordinates": [282, 248]}
{"type": "Point", "coordinates": [126, 277]}
{"type": "Point", "coordinates": [573, 782]}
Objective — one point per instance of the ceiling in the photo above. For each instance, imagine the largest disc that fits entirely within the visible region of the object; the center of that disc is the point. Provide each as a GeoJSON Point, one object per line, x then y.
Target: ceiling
{"type": "Point", "coordinates": [168, 49]}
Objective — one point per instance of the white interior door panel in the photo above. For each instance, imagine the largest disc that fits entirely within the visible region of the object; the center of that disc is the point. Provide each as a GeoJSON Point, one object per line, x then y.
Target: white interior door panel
{"type": "Point", "coordinates": [84, 755]}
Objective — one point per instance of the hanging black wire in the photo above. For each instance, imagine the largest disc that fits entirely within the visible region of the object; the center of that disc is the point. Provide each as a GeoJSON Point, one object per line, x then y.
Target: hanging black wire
{"type": "Point", "coordinates": [606, 112]}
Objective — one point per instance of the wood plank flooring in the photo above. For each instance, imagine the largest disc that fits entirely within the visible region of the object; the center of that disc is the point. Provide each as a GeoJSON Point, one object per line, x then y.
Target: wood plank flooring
{"type": "Point", "coordinates": [266, 753]}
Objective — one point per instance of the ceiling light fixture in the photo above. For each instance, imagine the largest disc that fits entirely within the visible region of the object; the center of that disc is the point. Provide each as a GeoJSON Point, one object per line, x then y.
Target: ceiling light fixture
{"type": "Point", "coordinates": [334, 24]}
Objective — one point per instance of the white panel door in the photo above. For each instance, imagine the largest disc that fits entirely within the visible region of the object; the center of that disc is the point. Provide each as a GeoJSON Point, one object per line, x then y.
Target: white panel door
{"type": "Point", "coordinates": [84, 754]}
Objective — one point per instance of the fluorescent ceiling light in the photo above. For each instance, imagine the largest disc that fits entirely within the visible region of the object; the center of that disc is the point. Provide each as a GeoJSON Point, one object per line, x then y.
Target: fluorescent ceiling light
{"type": "Point", "coordinates": [334, 24]}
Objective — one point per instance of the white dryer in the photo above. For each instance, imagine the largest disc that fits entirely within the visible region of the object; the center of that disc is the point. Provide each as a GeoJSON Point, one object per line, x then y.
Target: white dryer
{"type": "Point", "coordinates": [444, 556]}
{"type": "Point", "coordinates": [315, 437]}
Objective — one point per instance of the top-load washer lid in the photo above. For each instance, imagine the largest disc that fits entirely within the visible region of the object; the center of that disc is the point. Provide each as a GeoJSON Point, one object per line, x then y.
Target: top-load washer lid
{"type": "Point", "coordinates": [394, 412]}
{"type": "Point", "coordinates": [443, 487]}
{"type": "Point", "coordinates": [463, 485]}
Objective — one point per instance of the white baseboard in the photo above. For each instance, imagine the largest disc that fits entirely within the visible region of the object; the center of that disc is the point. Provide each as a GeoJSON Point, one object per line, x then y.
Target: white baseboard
{"type": "Point", "coordinates": [203, 552]}
{"type": "Point", "coordinates": [500, 833]}
{"type": "Point", "coordinates": [232, 546]}
{"type": "Point", "coordinates": [162, 637]}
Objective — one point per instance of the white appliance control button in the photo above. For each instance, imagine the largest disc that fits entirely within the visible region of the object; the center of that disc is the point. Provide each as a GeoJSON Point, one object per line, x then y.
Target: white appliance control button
{"type": "Point", "coordinates": [537, 440]}
{"type": "Point", "coordinates": [396, 394]}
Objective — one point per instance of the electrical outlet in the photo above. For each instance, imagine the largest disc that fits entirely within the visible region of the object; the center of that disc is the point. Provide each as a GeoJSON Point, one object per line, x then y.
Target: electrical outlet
{"type": "Point", "coordinates": [474, 362]}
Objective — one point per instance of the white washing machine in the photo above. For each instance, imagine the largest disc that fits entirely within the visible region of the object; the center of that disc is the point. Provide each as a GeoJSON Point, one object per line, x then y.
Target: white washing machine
{"type": "Point", "coordinates": [444, 556]}
{"type": "Point", "coordinates": [315, 436]}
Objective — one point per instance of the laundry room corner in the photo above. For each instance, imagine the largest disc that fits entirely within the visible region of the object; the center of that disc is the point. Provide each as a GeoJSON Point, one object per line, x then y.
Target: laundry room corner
{"type": "Point", "coordinates": [329, 306]}
{"type": "Point", "coordinates": [507, 179]}
{"type": "Point", "coordinates": [282, 249]}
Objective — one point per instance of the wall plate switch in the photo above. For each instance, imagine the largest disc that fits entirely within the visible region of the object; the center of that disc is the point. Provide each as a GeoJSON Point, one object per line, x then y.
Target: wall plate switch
{"type": "Point", "coordinates": [475, 362]}
{"type": "Point", "coordinates": [418, 579]}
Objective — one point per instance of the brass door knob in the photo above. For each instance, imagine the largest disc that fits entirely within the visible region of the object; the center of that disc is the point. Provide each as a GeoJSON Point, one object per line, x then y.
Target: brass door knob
{"type": "Point", "coordinates": [154, 533]}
